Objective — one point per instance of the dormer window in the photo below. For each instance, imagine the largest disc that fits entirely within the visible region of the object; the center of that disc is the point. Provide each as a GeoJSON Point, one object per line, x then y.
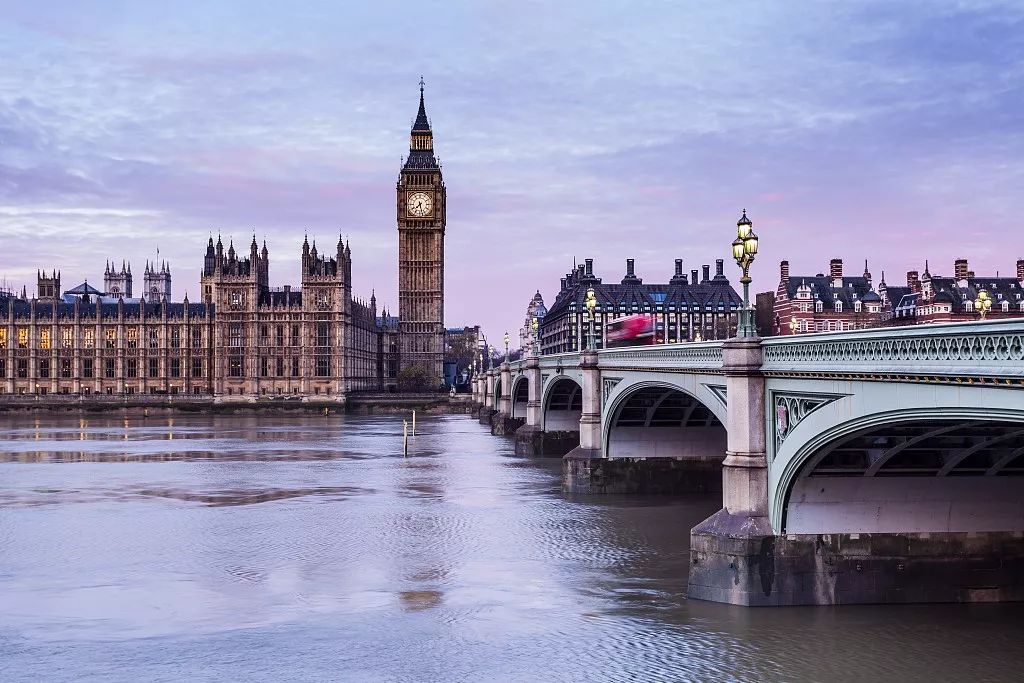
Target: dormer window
{"type": "Point", "coordinates": [857, 306]}
{"type": "Point", "coordinates": [839, 306]}
{"type": "Point", "coordinates": [817, 307]}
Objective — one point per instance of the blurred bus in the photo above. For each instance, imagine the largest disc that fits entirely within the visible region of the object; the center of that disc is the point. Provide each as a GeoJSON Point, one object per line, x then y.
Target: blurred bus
{"type": "Point", "coordinates": [633, 330]}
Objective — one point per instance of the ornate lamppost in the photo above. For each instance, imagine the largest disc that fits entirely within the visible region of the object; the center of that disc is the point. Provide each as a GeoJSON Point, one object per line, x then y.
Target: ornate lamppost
{"type": "Point", "coordinates": [983, 304]}
{"type": "Point", "coordinates": [793, 325]}
{"type": "Point", "coordinates": [535, 325]}
{"type": "Point", "coordinates": [591, 304]}
{"type": "Point", "coordinates": [490, 356]}
{"type": "Point", "coordinates": [744, 248]}
{"type": "Point", "coordinates": [506, 346]}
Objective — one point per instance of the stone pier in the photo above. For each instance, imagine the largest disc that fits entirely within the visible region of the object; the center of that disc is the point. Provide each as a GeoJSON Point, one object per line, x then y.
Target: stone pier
{"type": "Point", "coordinates": [587, 474]}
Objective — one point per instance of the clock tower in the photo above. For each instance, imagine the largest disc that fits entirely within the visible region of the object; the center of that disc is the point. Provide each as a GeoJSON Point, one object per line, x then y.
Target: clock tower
{"type": "Point", "coordinates": [421, 221]}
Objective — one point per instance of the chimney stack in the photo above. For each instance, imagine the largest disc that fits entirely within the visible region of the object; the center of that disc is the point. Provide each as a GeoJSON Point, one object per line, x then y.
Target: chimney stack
{"type": "Point", "coordinates": [679, 267]}
{"type": "Point", "coordinates": [719, 268]}
{"type": "Point", "coordinates": [589, 268]}
{"type": "Point", "coordinates": [1020, 270]}
{"type": "Point", "coordinates": [914, 281]}
{"type": "Point", "coordinates": [784, 272]}
{"type": "Point", "coordinates": [629, 268]}
{"type": "Point", "coordinates": [835, 268]}
{"type": "Point", "coordinates": [693, 277]}
{"type": "Point", "coordinates": [707, 272]}
{"type": "Point", "coordinates": [960, 269]}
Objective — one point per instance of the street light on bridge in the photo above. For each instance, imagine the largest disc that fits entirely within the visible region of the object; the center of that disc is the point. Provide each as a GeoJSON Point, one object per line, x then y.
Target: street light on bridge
{"type": "Point", "coordinates": [744, 248]}
{"type": "Point", "coordinates": [506, 346]}
{"type": "Point", "coordinates": [591, 304]}
{"type": "Point", "coordinates": [535, 325]}
{"type": "Point", "coordinates": [983, 303]}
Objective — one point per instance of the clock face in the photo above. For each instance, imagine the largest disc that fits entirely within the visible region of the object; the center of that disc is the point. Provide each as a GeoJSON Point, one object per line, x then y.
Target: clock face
{"type": "Point", "coordinates": [420, 204]}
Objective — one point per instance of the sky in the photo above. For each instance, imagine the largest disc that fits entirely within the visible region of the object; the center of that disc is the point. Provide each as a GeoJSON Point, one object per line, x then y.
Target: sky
{"type": "Point", "coordinates": [888, 131]}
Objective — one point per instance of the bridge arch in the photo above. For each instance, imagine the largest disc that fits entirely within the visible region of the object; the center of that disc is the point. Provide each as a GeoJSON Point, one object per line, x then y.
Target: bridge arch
{"type": "Point", "coordinates": [916, 469]}
{"type": "Point", "coordinates": [520, 395]}
{"type": "Point", "coordinates": [561, 404]}
{"type": "Point", "coordinates": [496, 392]}
{"type": "Point", "coordinates": [662, 418]}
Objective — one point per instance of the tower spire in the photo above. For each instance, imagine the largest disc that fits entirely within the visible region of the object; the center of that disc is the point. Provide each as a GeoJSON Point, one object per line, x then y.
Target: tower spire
{"type": "Point", "coordinates": [421, 124]}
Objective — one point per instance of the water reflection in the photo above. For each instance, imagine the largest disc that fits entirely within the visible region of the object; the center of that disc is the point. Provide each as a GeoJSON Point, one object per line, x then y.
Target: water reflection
{"type": "Point", "coordinates": [305, 548]}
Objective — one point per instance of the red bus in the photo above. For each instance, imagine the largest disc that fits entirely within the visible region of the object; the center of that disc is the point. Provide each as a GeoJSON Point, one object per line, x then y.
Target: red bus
{"type": "Point", "coordinates": [633, 330]}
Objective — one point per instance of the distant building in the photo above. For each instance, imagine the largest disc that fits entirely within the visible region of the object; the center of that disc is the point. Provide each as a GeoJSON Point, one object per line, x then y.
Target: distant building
{"type": "Point", "coordinates": [820, 303]}
{"type": "Point", "coordinates": [534, 310]}
{"type": "Point", "coordinates": [118, 283]}
{"type": "Point", "coordinates": [157, 282]}
{"type": "Point", "coordinates": [462, 345]}
{"type": "Point", "coordinates": [685, 308]}
{"type": "Point", "coordinates": [764, 314]}
{"type": "Point", "coordinates": [928, 298]}
{"type": "Point", "coordinates": [245, 340]}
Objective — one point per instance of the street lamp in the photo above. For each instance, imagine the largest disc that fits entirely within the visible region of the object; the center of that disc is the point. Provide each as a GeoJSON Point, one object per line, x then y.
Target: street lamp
{"type": "Point", "coordinates": [793, 325]}
{"type": "Point", "coordinates": [591, 304]}
{"type": "Point", "coordinates": [535, 325]}
{"type": "Point", "coordinates": [506, 346]}
{"type": "Point", "coordinates": [983, 303]}
{"type": "Point", "coordinates": [744, 248]}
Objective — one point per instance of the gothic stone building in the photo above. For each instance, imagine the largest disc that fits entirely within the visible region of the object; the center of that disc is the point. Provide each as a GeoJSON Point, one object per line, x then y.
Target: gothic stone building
{"type": "Point", "coordinates": [421, 222]}
{"type": "Point", "coordinates": [685, 309]}
{"type": "Point", "coordinates": [244, 340]}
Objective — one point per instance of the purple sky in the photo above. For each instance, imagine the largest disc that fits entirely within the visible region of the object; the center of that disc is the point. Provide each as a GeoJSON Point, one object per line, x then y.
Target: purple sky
{"type": "Point", "coordinates": [883, 130]}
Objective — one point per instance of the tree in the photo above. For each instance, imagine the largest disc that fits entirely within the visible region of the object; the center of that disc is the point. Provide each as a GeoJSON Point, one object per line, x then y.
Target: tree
{"type": "Point", "coordinates": [416, 378]}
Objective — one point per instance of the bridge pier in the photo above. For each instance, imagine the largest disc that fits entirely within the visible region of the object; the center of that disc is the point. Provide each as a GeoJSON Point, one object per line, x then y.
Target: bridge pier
{"type": "Point", "coordinates": [732, 552]}
{"type": "Point", "coordinates": [488, 408]}
{"type": "Point", "coordinates": [582, 474]}
{"type": "Point", "coordinates": [502, 422]}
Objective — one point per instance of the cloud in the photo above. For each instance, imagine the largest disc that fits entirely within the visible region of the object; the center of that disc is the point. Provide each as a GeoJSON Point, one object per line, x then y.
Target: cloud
{"type": "Point", "coordinates": [606, 130]}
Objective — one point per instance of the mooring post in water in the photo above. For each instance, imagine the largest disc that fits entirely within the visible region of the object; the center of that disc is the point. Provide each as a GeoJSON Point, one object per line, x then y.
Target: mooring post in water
{"type": "Point", "coordinates": [405, 437]}
{"type": "Point", "coordinates": [414, 423]}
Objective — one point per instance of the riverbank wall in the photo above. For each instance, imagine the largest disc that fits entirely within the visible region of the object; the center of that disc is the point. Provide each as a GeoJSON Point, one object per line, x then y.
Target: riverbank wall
{"type": "Point", "coordinates": [359, 404]}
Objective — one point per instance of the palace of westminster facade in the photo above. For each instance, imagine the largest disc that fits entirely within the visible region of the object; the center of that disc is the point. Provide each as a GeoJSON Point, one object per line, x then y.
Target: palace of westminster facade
{"type": "Point", "coordinates": [244, 340]}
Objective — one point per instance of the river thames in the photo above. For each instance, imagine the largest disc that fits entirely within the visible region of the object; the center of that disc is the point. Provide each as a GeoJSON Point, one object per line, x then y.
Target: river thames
{"type": "Point", "coordinates": [202, 548]}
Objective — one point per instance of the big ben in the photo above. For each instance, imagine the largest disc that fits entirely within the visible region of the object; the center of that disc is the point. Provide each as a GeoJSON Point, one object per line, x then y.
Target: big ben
{"type": "Point", "coordinates": [421, 221]}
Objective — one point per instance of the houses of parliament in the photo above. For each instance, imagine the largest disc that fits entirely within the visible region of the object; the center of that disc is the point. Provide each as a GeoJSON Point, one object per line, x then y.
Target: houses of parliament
{"type": "Point", "coordinates": [243, 340]}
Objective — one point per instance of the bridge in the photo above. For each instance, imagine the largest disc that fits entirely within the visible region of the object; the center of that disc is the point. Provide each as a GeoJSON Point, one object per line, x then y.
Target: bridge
{"type": "Point", "coordinates": [872, 466]}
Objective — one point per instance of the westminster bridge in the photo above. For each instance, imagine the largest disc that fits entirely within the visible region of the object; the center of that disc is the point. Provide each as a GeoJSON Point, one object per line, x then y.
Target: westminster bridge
{"type": "Point", "coordinates": [871, 466]}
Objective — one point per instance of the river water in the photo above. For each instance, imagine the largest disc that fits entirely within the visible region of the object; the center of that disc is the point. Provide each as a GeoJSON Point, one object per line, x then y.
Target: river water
{"type": "Point", "coordinates": [229, 548]}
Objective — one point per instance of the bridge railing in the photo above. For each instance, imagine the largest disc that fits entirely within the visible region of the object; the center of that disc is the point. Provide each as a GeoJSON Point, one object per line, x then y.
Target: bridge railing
{"type": "Point", "coordinates": [688, 355]}
{"type": "Point", "coordinates": [990, 350]}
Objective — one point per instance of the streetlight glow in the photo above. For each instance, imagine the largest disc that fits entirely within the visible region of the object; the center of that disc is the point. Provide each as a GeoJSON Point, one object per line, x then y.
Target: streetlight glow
{"type": "Point", "coordinates": [591, 304]}
{"type": "Point", "coordinates": [744, 248]}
